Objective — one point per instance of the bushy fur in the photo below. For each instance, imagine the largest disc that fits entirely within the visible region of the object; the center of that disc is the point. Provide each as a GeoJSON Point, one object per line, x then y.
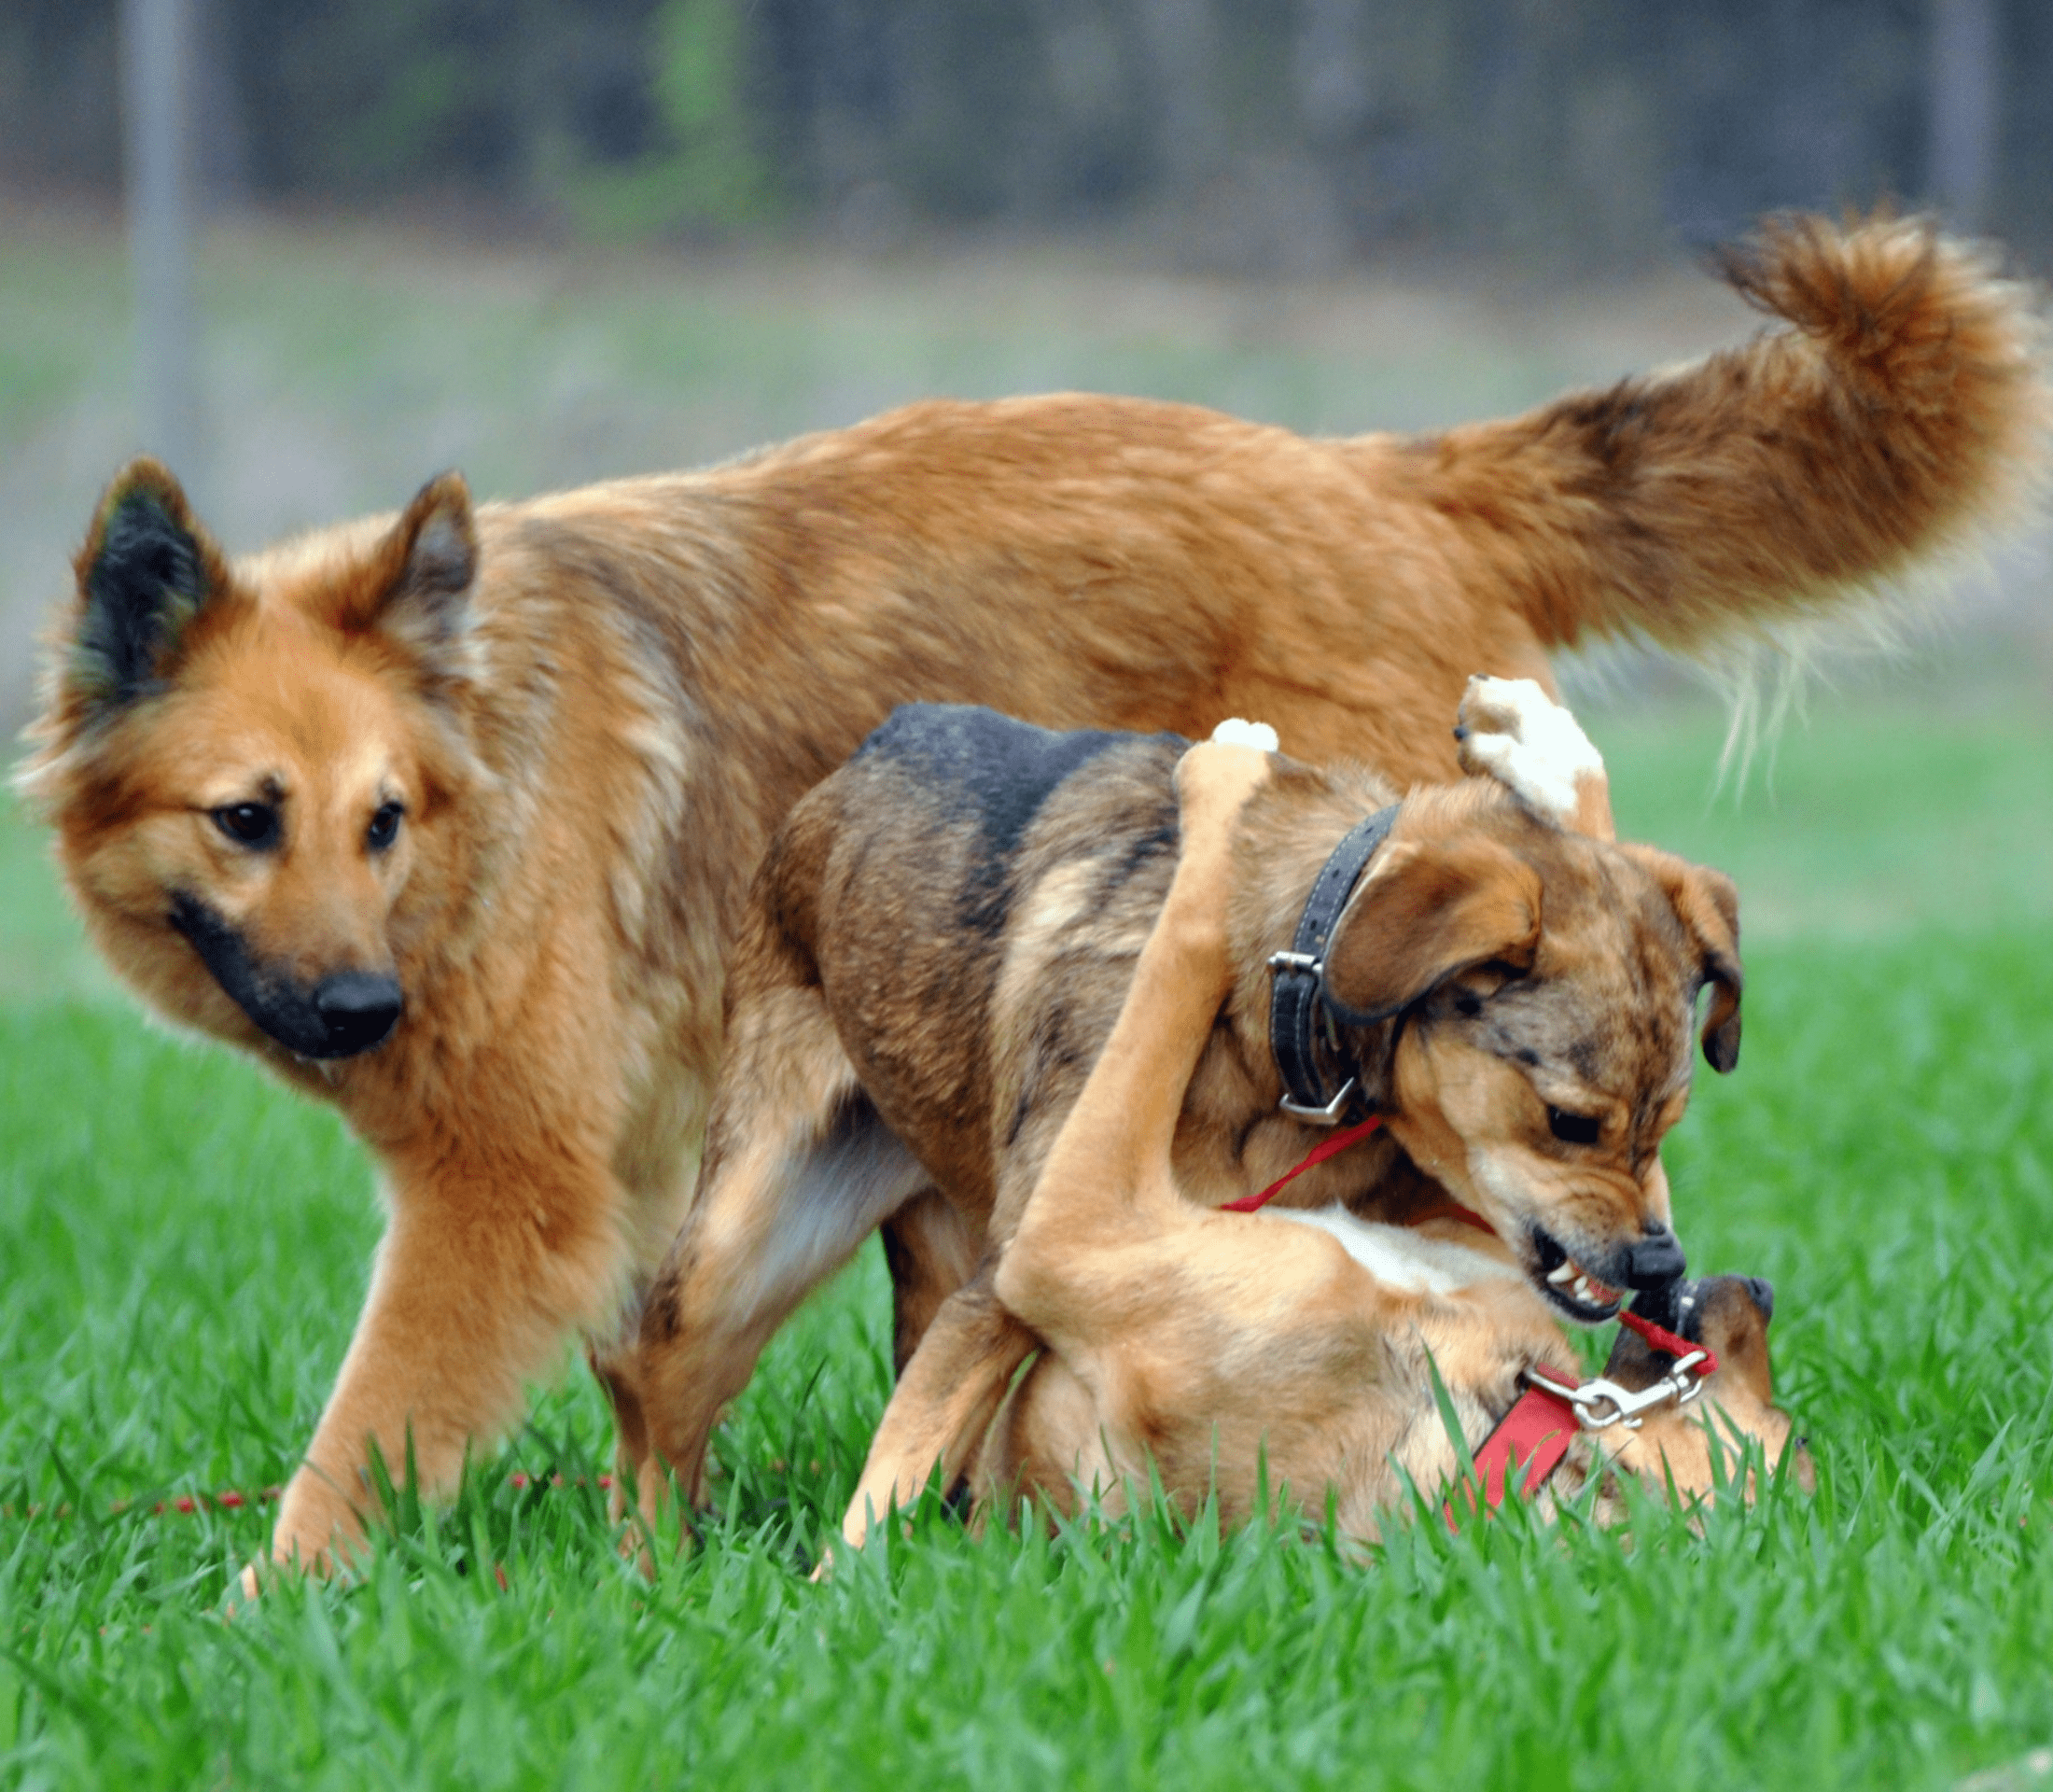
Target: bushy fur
{"type": "Point", "coordinates": [594, 708]}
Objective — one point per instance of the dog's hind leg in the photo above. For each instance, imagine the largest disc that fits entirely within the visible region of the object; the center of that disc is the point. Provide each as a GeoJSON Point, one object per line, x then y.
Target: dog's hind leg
{"type": "Point", "coordinates": [1509, 729]}
{"type": "Point", "coordinates": [946, 1398]}
{"type": "Point", "coordinates": [799, 1169]}
{"type": "Point", "coordinates": [930, 1254]}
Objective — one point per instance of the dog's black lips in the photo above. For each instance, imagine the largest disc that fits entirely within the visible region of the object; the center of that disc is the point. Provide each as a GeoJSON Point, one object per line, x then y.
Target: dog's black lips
{"type": "Point", "coordinates": [1549, 1254]}
{"type": "Point", "coordinates": [287, 1011]}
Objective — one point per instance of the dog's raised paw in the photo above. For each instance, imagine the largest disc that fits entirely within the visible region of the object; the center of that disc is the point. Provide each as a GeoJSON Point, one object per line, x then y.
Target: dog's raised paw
{"type": "Point", "coordinates": [1511, 729]}
{"type": "Point", "coordinates": [1234, 732]}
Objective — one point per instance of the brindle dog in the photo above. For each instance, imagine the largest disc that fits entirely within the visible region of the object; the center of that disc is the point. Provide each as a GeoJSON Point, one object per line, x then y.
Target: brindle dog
{"type": "Point", "coordinates": [1209, 1349]}
{"type": "Point", "coordinates": [940, 942]}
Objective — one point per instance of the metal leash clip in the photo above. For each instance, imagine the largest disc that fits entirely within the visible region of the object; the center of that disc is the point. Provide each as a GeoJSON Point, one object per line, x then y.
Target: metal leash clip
{"type": "Point", "coordinates": [1602, 1403]}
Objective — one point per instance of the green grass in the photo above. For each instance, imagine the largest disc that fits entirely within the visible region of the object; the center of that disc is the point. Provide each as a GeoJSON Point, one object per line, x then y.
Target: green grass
{"type": "Point", "coordinates": [184, 1247]}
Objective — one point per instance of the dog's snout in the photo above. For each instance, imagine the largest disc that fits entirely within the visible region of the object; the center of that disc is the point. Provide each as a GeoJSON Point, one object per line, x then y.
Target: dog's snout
{"type": "Point", "coordinates": [1763, 1294]}
{"type": "Point", "coordinates": [358, 1009]}
{"type": "Point", "coordinates": [1656, 1259]}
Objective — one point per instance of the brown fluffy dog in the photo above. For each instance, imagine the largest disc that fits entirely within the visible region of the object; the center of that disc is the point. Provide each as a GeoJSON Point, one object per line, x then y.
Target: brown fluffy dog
{"type": "Point", "coordinates": [1209, 1347]}
{"type": "Point", "coordinates": [942, 938]}
{"type": "Point", "coordinates": [483, 789]}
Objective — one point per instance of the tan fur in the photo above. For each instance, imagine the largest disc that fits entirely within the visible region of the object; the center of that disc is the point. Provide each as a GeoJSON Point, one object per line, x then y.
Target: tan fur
{"type": "Point", "coordinates": [1211, 1348]}
{"type": "Point", "coordinates": [594, 708]}
{"type": "Point", "coordinates": [1490, 966]}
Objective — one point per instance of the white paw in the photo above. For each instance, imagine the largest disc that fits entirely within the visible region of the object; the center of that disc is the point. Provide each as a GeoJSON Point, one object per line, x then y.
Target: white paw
{"type": "Point", "coordinates": [1512, 731]}
{"type": "Point", "coordinates": [1233, 732]}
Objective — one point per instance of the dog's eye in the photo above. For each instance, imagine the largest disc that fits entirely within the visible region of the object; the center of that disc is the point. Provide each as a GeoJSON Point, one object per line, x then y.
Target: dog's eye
{"type": "Point", "coordinates": [248, 824]}
{"type": "Point", "coordinates": [384, 827]}
{"type": "Point", "coordinates": [1573, 1128]}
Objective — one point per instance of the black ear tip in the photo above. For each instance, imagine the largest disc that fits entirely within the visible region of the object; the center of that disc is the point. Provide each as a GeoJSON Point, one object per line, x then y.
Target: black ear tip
{"type": "Point", "coordinates": [1761, 1291]}
{"type": "Point", "coordinates": [145, 571]}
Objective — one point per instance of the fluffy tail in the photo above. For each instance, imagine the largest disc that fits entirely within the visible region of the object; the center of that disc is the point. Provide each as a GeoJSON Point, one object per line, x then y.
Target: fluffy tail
{"type": "Point", "coordinates": [1901, 413]}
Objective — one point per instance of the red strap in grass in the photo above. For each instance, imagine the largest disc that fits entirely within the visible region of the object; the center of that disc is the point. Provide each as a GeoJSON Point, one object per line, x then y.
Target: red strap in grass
{"type": "Point", "coordinates": [1533, 1435]}
{"type": "Point", "coordinates": [1318, 1154]}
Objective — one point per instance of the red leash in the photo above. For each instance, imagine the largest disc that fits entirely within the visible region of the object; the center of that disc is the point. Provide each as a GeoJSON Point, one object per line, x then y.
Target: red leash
{"type": "Point", "coordinates": [1661, 1338]}
{"type": "Point", "coordinates": [1318, 1154]}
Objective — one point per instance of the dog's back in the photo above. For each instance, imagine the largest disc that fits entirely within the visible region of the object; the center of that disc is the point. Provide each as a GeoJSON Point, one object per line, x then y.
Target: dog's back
{"type": "Point", "coordinates": [970, 891]}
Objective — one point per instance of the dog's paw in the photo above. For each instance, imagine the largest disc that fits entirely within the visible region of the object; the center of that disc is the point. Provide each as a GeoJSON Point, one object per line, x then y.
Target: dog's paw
{"type": "Point", "coordinates": [1233, 732]}
{"type": "Point", "coordinates": [1511, 729]}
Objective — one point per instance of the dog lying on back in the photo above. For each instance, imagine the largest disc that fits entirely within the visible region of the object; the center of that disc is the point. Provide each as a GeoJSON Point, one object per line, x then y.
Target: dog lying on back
{"type": "Point", "coordinates": [940, 941]}
{"type": "Point", "coordinates": [1211, 1349]}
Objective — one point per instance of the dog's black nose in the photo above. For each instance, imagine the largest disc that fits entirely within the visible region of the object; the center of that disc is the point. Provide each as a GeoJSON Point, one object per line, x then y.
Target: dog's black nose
{"type": "Point", "coordinates": [358, 1008]}
{"type": "Point", "coordinates": [1656, 1259]}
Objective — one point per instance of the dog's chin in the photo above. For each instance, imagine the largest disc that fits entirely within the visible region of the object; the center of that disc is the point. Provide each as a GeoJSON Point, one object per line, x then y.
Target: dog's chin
{"type": "Point", "coordinates": [324, 1051]}
{"type": "Point", "coordinates": [1572, 1290]}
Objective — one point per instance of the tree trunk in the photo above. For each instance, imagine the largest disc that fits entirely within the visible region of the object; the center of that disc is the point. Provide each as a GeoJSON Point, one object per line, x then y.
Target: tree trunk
{"type": "Point", "coordinates": [1963, 110]}
{"type": "Point", "coordinates": [157, 85]}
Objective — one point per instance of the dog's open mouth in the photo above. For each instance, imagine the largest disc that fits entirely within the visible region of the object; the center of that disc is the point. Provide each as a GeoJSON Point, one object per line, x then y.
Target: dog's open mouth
{"type": "Point", "coordinates": [1580, 1295]}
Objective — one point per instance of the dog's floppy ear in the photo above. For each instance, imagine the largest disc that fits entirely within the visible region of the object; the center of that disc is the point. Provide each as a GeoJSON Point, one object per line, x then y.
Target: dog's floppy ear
{"type": "Point", "coordinates": [146, 570]}
{"type": "Point", "coordinates": [1426, 912]}
{"type": "Point", "coordinates": [415, 585]}
{"type": "Point", "coordinates": [1707, 902]}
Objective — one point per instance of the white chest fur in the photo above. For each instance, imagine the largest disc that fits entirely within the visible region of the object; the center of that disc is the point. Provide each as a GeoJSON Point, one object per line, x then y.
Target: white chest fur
{"type": "Point", "coordinates": [1399, 1256]}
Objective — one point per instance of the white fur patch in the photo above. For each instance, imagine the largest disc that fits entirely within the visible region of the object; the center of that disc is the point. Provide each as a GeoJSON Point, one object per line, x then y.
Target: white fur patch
{"type": "Point", "coordinates": [1398, 1256]}
{"type": "Point", "coordinates": [1233, 732]}
{"type": "Point", "coordinates": [1529, 743]}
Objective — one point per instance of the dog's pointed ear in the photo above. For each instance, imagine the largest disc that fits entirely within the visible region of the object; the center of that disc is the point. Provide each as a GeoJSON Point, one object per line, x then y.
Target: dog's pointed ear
{"type": "Point", "coordinates": [415, 585]}
{"type": "Point", "coordinates": [146, 571]}
{"type": "Point", "coordinates": [1426, 912]}
{"type": "Point", "coordinates": [1707, 902]}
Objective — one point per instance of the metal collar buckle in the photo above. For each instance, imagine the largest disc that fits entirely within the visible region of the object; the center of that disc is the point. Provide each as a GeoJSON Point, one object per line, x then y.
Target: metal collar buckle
{"type": "Point", "coordinates": [1313, 1114]}
{"type": "Point", "coordinates": [1329, 1116]}
{"type": "Point", "coordinates": [1299, 1018]}
{"type": "Point", "coordinates": [1602, 1403]}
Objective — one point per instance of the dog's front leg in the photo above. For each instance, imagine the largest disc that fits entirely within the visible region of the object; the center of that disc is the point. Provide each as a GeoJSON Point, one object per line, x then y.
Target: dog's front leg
{"type": "Point", "coordinates": [486, 1266]}
{"type": "Point", "coordinates": [948, 1394]}
{"type": "Point", "coordinates": [1107, 1183]}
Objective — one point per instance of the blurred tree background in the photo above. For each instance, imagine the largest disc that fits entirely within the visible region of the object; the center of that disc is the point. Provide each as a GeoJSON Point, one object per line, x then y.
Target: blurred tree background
{"type": "Point", "coordinates": [1286, 136]}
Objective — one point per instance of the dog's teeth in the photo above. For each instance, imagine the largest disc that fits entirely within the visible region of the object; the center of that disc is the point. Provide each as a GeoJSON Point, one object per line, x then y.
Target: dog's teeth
{"type": "Point", "coordinates": [1561, 1272]}
{"type": "Point", "coordinates": [1581, 1289]}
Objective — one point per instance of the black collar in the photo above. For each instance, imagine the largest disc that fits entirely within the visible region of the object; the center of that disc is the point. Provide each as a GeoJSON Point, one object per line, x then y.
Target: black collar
{"type": "Point", "coordinates": [1295, 1007]}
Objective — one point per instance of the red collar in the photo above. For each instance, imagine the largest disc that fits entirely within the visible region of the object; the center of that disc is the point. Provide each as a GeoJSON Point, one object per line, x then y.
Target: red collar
{"type": "Point", "coordinates": [1535, 1434]}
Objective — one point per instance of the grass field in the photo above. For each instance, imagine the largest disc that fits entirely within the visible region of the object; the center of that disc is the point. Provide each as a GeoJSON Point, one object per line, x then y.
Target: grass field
{"type": "Point", "coordinates": [184, 1247]}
